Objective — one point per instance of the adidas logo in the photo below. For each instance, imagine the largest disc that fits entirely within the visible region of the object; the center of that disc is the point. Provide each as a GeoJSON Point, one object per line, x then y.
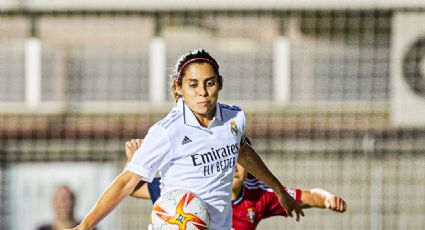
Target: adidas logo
{"type": "Point", "coordinates": [186, 140]}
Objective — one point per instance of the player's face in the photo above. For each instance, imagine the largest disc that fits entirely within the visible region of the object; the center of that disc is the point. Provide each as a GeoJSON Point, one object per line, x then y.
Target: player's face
{"type": "Point", "coordinates": [200, 89]}
{"type": "Point", "coordinates": [239, 175]}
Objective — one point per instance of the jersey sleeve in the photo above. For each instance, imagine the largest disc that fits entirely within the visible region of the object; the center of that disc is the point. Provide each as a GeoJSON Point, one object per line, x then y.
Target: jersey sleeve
{"type": "Point", "coordinates": [243, 122]}
{"type": "Point", "coordinates": [154, 152]}
{"type": "Point", "coordinates": [274, 207]}
{"type": "Point", "coordinates": [243, 127]}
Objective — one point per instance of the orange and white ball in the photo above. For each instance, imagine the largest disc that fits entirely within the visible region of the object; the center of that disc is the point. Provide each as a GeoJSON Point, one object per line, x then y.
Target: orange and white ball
{"type": "Point", "coordinates": [179, 210]}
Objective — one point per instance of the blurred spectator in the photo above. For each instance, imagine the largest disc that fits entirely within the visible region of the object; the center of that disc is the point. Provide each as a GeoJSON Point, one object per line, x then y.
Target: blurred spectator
{"type": "Point", "coordinates": [63, 202]}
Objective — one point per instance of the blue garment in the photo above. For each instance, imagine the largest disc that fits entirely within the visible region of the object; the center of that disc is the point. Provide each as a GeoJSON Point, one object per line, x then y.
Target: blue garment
{"type": "Point", "coordinates": [154, 190]}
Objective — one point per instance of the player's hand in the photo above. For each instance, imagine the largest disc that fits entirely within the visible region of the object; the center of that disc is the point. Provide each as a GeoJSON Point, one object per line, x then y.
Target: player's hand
{"type": "Point", "coordinates": [131, 146]}
{"type": "Point", "coordinates": [335, 203]}
{"type": "Point", "coordinates": [290, 205]}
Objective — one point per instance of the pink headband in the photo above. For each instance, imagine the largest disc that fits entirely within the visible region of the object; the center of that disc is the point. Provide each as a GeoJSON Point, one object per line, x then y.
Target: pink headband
{"type": "Point", "coordinates": [196, 59]}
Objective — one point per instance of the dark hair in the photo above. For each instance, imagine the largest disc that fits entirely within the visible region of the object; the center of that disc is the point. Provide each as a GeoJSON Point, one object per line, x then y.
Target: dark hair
{"type": "Point", "coordinates": [194, 56]}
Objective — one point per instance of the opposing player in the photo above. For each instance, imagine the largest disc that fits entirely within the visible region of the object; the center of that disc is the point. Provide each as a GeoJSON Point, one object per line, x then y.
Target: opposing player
{"type": "Point", "coordinates": [195, 147]}
{"type": "Point", "coordinates": [252, 200]}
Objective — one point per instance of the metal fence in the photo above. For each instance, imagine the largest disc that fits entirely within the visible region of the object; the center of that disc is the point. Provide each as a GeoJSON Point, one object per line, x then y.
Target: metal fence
{"type": "Point", "coordinates": [337, 130]}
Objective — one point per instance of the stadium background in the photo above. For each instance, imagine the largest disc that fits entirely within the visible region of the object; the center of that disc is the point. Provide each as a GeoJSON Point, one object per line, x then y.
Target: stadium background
{"type": "Point", "coordinates": [334, 94]}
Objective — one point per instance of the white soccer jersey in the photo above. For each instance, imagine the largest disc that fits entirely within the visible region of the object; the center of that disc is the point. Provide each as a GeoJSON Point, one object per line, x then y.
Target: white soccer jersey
{"type": "Point", "coordinates": [189, 156]}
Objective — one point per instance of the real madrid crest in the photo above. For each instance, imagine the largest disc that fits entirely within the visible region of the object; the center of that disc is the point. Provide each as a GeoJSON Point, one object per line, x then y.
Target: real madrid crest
{"type": "Point", "coordinates": [233, 128]}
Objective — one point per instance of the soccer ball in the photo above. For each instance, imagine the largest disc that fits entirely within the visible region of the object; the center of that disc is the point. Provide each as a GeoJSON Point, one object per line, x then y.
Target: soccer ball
{"type": "Point", "coordinates": [179, 210]}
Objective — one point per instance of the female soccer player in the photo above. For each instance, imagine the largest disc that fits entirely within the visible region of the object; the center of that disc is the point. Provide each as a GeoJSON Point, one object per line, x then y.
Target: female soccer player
{"type": "Point", "coordinates": [195, 147]}
{"type": "Point", "coordinates": [252, 200]}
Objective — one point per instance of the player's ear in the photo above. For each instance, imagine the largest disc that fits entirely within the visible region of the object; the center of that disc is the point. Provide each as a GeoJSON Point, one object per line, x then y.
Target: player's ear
{"type": "Point", "coordinates": [178, 87]}
{"type": "Point", "coordinates": [220, 82]}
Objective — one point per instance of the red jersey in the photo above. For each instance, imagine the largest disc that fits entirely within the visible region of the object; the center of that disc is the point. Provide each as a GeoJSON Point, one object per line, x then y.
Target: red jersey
{"type": "Point", "coordinates": [257, 202]}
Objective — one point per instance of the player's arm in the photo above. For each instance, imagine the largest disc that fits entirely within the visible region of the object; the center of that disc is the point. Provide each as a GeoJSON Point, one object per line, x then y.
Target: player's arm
{"type": "Point", "coordinates": [120, 188]}
{"type": "Point", "coordinates": [320, 198]}
{"type": "Point", "coordinates": [141, 190]}
{"type": "Point", "coordinates": [252, 162]}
